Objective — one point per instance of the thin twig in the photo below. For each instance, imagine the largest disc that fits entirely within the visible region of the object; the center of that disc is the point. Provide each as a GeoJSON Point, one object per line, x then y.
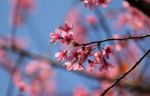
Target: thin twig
{"type": "Point", "coordinates": [116, 39]}
{"type": "Point", "coordinates": [125, 74]}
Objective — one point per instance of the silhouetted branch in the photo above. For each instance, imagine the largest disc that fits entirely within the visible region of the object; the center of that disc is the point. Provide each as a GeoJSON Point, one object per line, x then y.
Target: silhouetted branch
{"type": "Point", "coordinates": [115, 39]}
{"type": "Point", "coordinates": [125, 74]}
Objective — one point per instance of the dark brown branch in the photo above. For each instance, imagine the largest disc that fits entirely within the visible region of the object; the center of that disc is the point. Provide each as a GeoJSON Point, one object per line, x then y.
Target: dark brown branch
{"type": "Point", "coordinates": [142, 5]}
{"type": "Point", "coordinates": [125, 74]}
{"type": "Point", "coordinates": [115, 39]}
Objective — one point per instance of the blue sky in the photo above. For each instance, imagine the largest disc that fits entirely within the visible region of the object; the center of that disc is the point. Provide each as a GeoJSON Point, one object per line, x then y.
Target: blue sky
{"type": "Point", "coordinates": [48, 15]}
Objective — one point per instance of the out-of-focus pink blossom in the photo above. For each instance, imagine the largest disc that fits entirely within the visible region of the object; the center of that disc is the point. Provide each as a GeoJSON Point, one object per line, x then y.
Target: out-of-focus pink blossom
{"type": "Point", "coordinates": [19, 82]}
{"type": "Point", "coordinates": [24, 5]}
{"type": "Point", "coordinates": [21, 9]}
{"type": "Point", "coordinates": [81, 91]}
{"type": "Point", "coordinates": [40, 71]}
{"type": "Point", "coordinates": [133, 18]}
{"type": "Point", "coordinates": [92, 20]}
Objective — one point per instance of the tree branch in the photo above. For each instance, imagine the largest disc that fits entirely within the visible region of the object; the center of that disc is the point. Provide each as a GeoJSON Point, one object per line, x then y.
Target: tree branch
{"type": "Point", "coordinates": [125, 74]}
{"type": "Point", "coordinates": [25, 53]}
{"type": "Point", "coordinates": [115, 39]}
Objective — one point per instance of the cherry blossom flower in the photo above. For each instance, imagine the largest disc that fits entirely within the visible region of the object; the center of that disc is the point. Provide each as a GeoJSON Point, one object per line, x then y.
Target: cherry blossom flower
{"type": "Point", "coordinates": [78, 67]}
{"type": "Point", "coordinates": [39, 71]}
{"type": "Point", "coordinates": [105, 66]}
{"type": "Point", "coordinates": [92, 65]}
{"type": "Point", "coordinates": [69, 66]}
{"type": "Point", "coordinates": [98, 56]}
{"type": "Point", "coordinates": [67, 27]}
{"type": "Point", "coordinates": [67, 37]}
{"type": "Point", "coordinates": [104, 3]}
{"type": "Point", "coordinates": [89, 3]}
{"type": "Point", "coordinates": [64, 34]}
{"type": "Point", "coordinates": [107, 51]}
{"type": "Point", "coordinates": [55, 36]}
{"type": "Point", "coordinates": [92, 3]}
{"type": "Point", "coordinates": [76, 56]}
{"type": "Point", "coordinates": [61, 55]}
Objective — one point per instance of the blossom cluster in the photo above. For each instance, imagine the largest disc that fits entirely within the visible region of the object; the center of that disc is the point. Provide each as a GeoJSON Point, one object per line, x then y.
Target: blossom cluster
{"type": "Point", "coordinates": [36, 71]}
{"type": "Point", "coordinates": [92, 3]}
{"type": "Point", "coordinates": [77, 55]}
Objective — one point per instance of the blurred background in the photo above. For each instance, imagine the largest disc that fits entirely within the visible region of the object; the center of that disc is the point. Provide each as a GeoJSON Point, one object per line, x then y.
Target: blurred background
{"type": "Point", "coordinates": [19, 71]}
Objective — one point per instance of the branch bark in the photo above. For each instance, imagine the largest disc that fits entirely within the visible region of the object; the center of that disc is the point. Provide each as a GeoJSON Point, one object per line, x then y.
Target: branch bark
{"type": "Point", "coordinates": [115, 39]}
{"type": "Point", "coordinates": [125, 74]}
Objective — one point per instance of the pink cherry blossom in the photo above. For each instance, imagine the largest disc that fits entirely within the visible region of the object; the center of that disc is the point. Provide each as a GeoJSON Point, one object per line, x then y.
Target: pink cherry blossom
{"type": "Point", "coordinates": [107, 51]}
{"type": "Point", "coordinates": [92, 3]}
{"type": "Point", "coordinates": [98, 56]}
{"type": "Point", "coordinates": [89, 3]}
{"type": "Point", "coordinates": [67, 38]}
{"type": "Point", "coordinates": [133, 18]}
{"type": "Point", "coordinates": [26, 5]}
{"type": "Point", "coordinates": [69, 66]}
{"type": "Point", "coordinates": [76, 56]}
{"type": "Point", "coordinates": [63, 34]}
{"type": "Point", "coordinates": [78, 66]}
{"type": "Point", "coordinates": [81, 91]}
{"type": "Point", "coordinates": [55, 36]}
{"type": "Point", "coordinates": [92, 65]}
{"type": "Point", "coordinates": [79, 30]}
{"type": "Point", "coordinates": [92, 20]}
{"type": "Point", "coordinates": [62, 55]}
{"type": "Point", "coordinates": [106, 66]}
{"type": "Point", "coordinates": [104, 3]}
{"type": "Point", "coordinates": [67, 27]}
